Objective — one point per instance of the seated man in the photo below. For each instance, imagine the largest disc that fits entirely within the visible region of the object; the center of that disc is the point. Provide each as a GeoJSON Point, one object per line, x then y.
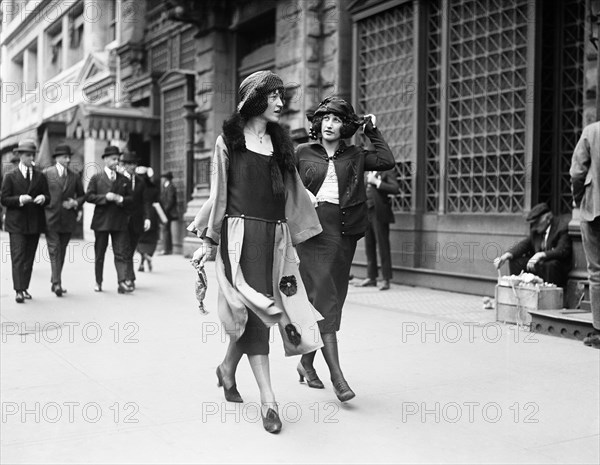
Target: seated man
{"type": "Point", "coordinates": [546, 252]}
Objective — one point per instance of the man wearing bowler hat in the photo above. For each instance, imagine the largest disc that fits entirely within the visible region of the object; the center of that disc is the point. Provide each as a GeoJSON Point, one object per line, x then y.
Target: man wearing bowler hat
{"type": "Point", "coordinates": [111, 194]}
{"type": "Point", "coordinates": [66, 197]}
{"type": "Point", "coordinates": [168, 202]}
{"type": "Point", "coordinates": [24, 194]}
{"type": "Point", "coordinates": [139, 211]}
{"type": "Point", "coordinates": [546, 252]}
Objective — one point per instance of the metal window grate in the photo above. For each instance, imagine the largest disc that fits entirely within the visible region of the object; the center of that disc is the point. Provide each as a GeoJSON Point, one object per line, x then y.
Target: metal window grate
{"type": "Point", "coordinates": [562, 94]}
{"type": "Point", "coordinates": [432, 145]}
{"type": "Point", "coordinates": [487, 99]}
{"type": "Point", "coordinates": [386, 88]}
{"type": "Point", "coordinates": [160, 56]}
{"type": "Point", "coordinates": [188, 49]}
{"type": "Point", "coordinates": [174, 135]}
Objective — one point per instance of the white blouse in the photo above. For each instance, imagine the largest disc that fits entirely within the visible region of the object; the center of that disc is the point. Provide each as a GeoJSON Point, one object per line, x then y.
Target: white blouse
{"type": "Point", "coordinates": [329, 189]}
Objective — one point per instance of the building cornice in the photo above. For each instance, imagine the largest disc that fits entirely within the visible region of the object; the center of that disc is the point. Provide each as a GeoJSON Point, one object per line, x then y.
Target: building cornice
{"type": "Point", "coordinates": [44, 11]}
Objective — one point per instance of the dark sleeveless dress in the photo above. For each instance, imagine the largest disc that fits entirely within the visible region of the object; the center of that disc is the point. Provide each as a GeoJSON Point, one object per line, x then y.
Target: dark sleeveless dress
{"type": "Point", "coordinates": [249, 194]}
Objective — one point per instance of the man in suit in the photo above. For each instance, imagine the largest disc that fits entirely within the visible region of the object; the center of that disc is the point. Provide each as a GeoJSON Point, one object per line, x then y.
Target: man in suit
{"type": "Point", "coordinates": [139, 211]}
{"type": "Point", "coordinates": [585, 184]}
{"type": "Point", "coordinates": [546, 252]}
{"type": "Point", "coordinates": [380, 184]}
{"type": "Point", "coordinates": [24, 194]}
{"type": "Point", "coordinates": [111, 194]}
{"type": "Point", "coordinates": [168, 202]}
{"type": "Point", "coordinates": [66, 198]}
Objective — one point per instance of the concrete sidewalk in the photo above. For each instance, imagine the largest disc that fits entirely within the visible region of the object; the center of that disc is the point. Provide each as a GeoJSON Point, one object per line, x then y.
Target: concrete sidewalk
{"type": "Point", "coordinates": [109, 378]}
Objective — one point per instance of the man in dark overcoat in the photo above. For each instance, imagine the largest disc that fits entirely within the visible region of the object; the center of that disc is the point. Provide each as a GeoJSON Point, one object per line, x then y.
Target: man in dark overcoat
{"type": "Point", "coordinates": [111, 193]}
{"type": "Point", "coordinates": [380, 185]}
{"type": "Point", "coordinates": [66, 197]}
{"type": "Point", "coordinates": [24, 194]}
{"type": "Point", "coordinates": [139, 210]}
{"type": "Point", "coordinates": [168, 202]}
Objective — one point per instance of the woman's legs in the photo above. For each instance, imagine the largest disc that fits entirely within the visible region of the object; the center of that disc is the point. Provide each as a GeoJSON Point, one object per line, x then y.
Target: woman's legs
{"type": "Point", "coordinates": [330, 353]}
{"type": "Point", "coordinates": [230, 362]}
{"type": "Point", "coordinates": [308, 360]}
{"type": "Point", "coordinates": [262, 373]}
{"type": "Point", "coordinates": [141, 267]}
{"type": "Point", "coordinates": [268, 408]}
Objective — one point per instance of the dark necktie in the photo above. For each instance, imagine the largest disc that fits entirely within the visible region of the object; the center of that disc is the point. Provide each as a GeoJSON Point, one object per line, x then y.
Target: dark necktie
{"type": "Point", "coordinates": [28, 177]}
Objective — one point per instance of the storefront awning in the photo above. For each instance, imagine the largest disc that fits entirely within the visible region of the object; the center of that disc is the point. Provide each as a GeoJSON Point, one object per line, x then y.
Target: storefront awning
{"type": "Point", "coordinates": [109, 123]}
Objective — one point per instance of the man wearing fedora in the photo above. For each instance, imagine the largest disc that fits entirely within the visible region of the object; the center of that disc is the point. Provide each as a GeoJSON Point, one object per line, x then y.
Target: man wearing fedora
{"type": "Point", "coordinates": [24, 194]}
{"type": "Point", "coordinates": [66, 197]}
{"type": "Point", "coordinates": [168, 202]}
{"type": "Point", "coordinates": [111, 194]}
{"type": "Point", "coordinates": [139, 210]}
{"type": "Point", "coordinates": [546, 252]}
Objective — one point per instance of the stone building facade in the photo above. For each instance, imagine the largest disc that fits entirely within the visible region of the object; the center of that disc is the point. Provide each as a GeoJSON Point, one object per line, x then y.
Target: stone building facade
{"type": "Point", "coordinates": [482, 104]}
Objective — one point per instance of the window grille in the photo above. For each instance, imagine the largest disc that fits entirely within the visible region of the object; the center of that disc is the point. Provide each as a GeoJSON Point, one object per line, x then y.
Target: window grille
{"type": "Point", "coordinates": [160, 56]}
{"type": "Point", "coordinates": [434, 49]}
{"type": "Point", "coordinates": [386, 86]}
{"type": "Point", "coordinates": [174, 134]}
{"type": "Point", "coordinates": [487, 100]}
{"type": "Point", "coordinates": [188, 49]}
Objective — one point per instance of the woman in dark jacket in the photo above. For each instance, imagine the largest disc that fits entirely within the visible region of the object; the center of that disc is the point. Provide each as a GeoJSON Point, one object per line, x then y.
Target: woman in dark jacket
{"type": "Point", "coordinates": [333, 173]}
{"type": "Point", "coordinates": [147, 243]}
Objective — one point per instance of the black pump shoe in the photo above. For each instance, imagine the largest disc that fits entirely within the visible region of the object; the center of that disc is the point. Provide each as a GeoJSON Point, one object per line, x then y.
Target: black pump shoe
{"type": "Point", "coordinates": [312, 379]}
{"type": "Point", "coordinates": [231, 394]}
{"type": "Point", "coordinates": [271, 421]}
{"type": "Point", "coordinates": [343, 391]}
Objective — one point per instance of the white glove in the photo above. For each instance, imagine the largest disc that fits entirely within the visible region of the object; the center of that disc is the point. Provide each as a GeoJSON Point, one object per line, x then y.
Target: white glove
{"type": "Point", "coordinates": [207, 251]}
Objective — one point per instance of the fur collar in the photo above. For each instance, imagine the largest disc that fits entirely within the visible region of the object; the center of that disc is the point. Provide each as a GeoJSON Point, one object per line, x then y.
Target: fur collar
{"type": "Point", "coordinates": [283, 147]}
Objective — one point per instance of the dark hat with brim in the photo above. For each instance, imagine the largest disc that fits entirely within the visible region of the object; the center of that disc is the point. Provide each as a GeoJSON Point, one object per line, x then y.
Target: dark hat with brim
{"type": "Point", "coordinates": [130, 157]}
{"type": "Point", "coordinates": [111, 150]}
{"type": "Point", "coordinates": [537, 211]}
{"type": "Point", "coordinates": [62, 149]}
{"type": "Point", "coordinates": [26, 145]}
{"type": "Point", "coordinates": [167, 175]}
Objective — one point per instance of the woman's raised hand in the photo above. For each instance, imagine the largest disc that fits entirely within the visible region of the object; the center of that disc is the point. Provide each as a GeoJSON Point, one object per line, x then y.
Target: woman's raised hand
{"type": "Point", "coordinates": [373, 119]}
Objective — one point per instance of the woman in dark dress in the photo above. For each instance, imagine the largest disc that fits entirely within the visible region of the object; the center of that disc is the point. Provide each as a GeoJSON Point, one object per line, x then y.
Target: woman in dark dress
{"type": "Point", "coordinates": [257, 211]}
{"type": "Point", "coordinates": [333, 173]}
{"type": "Point", "coordinates": [147, 243]}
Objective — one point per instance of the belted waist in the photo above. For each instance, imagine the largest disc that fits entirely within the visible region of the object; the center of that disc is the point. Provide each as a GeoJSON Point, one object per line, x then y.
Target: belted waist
{"type": "Point", "coordinates": [247, 217]}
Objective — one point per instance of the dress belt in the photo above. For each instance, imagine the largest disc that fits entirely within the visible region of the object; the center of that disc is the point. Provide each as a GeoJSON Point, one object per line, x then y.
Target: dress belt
{"type": "Point", "coordinates": [247, 217]}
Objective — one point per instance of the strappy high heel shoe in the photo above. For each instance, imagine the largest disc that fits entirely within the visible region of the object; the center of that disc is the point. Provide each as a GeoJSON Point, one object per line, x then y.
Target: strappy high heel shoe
{"type": "Point", "coordinates": [342, 390]}
{"type": "Point", "coordinates": [312, 379]}
{"type": "Point", "coordinates": [271, 421]}
{"type": "Point", "coordinates": [231, 394]}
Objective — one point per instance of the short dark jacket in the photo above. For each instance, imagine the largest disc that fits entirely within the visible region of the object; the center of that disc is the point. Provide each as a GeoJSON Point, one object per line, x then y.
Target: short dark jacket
{"type": "Point", "coordinates": [60, 219]}
{"type": "Point", "coordinates": [558, 245]}
{"type": "Point", "coordinates": [139, 209]}
{"type": "Point", "coordinates": [168, 201]}
{"type": "Point", "coordinates": [378, 198]}
{"type": "Point", "coordinates": [350, 163]}
{"type": "Point", "coordinates": [29, 218]}
{"type": "Point", "coordinates": [109, 216]}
